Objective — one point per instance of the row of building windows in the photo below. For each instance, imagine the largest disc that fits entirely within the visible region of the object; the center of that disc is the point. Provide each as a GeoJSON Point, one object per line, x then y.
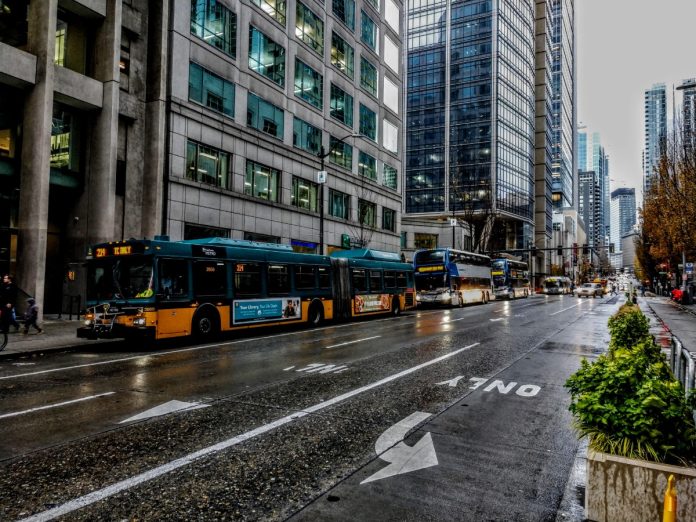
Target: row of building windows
{"type": "Point", "coordinates": [209, 165]}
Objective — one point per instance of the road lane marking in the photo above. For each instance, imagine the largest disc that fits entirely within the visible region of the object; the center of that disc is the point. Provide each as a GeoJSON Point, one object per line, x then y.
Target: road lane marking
{"type": "Point", "coordinates": [129, 483]}
{"type": "Point", "coordinates": [453, 320]}
{"type": "Point", "coordinates": [353, 342]}
{"type": "Point", "coordinates": [555, 313]}
{"type": "Point", "coordinates": [165, 409]}
{"type": "Point", "coordinates": [496, 320]}
{"type": "Point", "coordinates": [31, 410]}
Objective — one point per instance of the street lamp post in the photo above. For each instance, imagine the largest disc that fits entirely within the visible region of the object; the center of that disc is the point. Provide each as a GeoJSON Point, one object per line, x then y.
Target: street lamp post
{"type": "Point", "coordinates": [321, 179]}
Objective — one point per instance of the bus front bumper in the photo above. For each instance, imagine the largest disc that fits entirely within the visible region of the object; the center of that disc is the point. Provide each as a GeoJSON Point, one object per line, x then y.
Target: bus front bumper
{"type": "Point", "coordinates": [116, 332]}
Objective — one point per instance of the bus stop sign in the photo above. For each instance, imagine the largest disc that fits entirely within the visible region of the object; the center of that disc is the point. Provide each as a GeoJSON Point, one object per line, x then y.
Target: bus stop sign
{"type": "Point", "coordinates": [689, 268]}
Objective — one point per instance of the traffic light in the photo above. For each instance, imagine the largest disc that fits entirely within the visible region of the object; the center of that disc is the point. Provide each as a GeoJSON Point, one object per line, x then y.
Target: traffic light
{"type": "Point", "coordinates": [585, 250]}
{"type": "Point", "coordinates": [559, 250]}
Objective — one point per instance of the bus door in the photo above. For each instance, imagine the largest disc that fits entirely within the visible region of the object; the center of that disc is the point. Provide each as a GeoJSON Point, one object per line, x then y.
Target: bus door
{"type": "Point", "coordinates": [210, 287]}
{"type": "Point", "coordinates": [173, 299]}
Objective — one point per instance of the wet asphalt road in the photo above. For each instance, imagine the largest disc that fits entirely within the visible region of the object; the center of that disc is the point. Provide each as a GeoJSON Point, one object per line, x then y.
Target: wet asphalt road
{"type": "Point", "coordinates": [292, 421]}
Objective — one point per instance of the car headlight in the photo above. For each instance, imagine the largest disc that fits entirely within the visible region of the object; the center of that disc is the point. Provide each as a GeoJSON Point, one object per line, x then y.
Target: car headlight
{"type": "Point", "coordinates": [139, 321]}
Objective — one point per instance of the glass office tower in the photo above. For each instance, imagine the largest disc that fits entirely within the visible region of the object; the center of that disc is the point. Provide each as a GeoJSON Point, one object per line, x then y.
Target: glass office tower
{"type": "Point", "coordinates": [655, 130]}
{"type": "Point", "coordinates": [470, 119]}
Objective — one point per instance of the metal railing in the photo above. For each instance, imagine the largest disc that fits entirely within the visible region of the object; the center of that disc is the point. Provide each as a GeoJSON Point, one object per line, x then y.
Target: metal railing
{"type": "Point", "coordinates": [683, 365]}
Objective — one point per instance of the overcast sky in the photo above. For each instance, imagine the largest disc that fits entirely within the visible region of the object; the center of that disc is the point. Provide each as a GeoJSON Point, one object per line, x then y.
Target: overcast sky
{"type": "Point", "coordinates": [624, 47]}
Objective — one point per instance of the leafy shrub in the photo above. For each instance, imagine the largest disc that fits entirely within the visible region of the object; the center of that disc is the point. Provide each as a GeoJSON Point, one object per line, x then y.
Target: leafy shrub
{"type": "Point", "coordinates": [629, 404]}
{"type": "Point", "coordinates": [628, 327]}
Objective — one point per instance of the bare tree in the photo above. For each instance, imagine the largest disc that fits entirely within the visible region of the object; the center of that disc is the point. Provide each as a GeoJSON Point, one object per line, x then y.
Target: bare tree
{"type": "Point", "coordinates": [473, 206]}
{"type": "Point", "coordinates": [367, 214]}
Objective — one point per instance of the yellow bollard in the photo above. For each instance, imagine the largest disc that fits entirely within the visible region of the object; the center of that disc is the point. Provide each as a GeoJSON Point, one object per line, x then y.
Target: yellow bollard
{"type": "Point", "coordinates": [669, 513]}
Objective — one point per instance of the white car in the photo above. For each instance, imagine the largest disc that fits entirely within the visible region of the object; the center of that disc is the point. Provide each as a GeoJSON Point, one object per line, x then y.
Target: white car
{"type": "Point", "coordinates": [589, 289]}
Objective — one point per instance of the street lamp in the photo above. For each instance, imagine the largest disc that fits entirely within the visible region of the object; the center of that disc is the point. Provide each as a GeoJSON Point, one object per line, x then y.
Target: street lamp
{"type": "Point", "coordinates": [321, 179]}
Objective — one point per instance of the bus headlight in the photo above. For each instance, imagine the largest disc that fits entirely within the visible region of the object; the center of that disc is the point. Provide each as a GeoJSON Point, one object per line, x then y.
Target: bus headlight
{"type": "Point", "coordinates": [88, 322]}
{"type": "Point", "coordinates": [139, 321]}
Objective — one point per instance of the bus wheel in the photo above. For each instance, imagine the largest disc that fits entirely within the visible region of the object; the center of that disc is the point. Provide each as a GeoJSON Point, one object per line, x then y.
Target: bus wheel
{"type": "Point", "coordinates": [396, 306]}
{"type": "Point", "coordinates": [206, 324]}
{"type": "Point", "coordinates": [315, 314]}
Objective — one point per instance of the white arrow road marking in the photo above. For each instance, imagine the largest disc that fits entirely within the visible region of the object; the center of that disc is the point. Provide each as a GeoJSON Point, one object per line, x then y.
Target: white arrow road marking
{"type": "Point", "coordinates": [166, 408]}
{"type": "Point", "coordinates": [353, 342]}
{"type": "Point", "coordinates": [54, 405]}
{"type": "Point", "coordinates": [128, 483]}
{"type": "Point", "coordinates": [451, 382]}
{"type": "Point", "coordinates": [403, 458]}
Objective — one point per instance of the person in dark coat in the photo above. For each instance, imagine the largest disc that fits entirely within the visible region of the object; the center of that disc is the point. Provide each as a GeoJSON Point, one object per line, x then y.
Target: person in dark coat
{"type": "Point", "coordinates": [31, 316]}
{"type": "Point", "coordinates": [8, 300]}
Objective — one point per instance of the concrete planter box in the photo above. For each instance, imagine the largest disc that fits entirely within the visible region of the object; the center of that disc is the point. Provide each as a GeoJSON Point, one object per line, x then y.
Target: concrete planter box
{"type": "Point", "coordinates": [621, 489]}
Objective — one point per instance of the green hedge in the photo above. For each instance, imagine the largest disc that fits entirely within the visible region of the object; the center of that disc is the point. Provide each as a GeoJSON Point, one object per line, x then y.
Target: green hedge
{"type": "Point", "coordinates": [628, 403]}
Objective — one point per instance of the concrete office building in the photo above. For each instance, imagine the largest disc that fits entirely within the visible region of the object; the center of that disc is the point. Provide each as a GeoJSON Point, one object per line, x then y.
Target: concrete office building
{"type": "Point", "coordinates": [470, 121]}
{"type": "Point", "coordinates": [655, 118]}
{"type": "Point", "coordinates": [203, 117]}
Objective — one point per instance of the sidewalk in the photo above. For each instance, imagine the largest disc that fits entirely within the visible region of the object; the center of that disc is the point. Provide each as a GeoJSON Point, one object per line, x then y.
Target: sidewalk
{"type": "Point", "coordinates": [669, 318]}
{"type": "Point", "coordinates": [58, 334]}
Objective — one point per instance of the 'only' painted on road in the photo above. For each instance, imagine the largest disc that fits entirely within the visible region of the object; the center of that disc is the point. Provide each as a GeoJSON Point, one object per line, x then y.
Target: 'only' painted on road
{"type": "Point", "coordinates": [524, 390]}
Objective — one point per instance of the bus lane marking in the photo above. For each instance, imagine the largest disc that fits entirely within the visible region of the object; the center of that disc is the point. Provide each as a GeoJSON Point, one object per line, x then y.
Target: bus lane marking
{"type": "Point", "coordinates": [353, 342]}
{"type": "Point", "coordinates": [31, 410]}
{"type": "Point", "coordinates": [126, 484]}
{"type": "Point", "coordinates": [524, 390]}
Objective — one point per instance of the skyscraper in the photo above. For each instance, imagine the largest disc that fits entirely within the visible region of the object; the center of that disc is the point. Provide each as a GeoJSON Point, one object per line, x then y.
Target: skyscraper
{"type": "Point", "coordinates": [688, 88]}
{"type": "Point", "coordinates": [623, 214]}
{"type": "Point", "coordinates": [589, 206]}
{"type": "Point", "coordinates": [470, 118]}
{"type": "Point", "coordinates": [655, 130]}
{"type": "Point", "coordinates": [593, 157]}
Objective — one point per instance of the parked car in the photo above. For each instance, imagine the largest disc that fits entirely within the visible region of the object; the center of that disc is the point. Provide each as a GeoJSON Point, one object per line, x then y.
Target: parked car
{"type": "Point", "coordinates": [589, 289]}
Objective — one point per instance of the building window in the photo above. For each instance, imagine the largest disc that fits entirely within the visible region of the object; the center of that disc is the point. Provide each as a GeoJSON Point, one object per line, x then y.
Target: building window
{"type": "Point", "coordinates": [124, 62]}
{"type": "Point", "coordinates": [341, 153]}
{"type": "Point", "coordinates": [366, 213]}
{"type": "Point", "coordinates": [339, 204]}
{"type": "Point", "coordinates": [342, 55]}
{"type": "Point", "coordinates": [390, 134]}
{"type": "Point", "coordinates": [214, 24]}
{"type": "Point", "coordinates": [74, 39]}
{"type": "Point", "coordinates": [392, 14]}
{"type": "Point", "coordinates": [374, 3]}
{"type": "Point", "coordinates": [264, 116]}
{"type": "Point", "coordinates": [305, 136]}
{"type": "Point", "coordinates": [59, 54]}
{"type": "Point", "coordinates": [389, 177]}
{"type": "Point", "coordinates": [304, 194]}
{"type": "Point", "coordinates": [65, 140]}
{"type": "Point", "coordinates": [367, 166]}
{"type": "Point", "coordinates": [368, 31]}
{"type": "Point", "coordinates": [193, 231]}
{"type": "Point", "coordinates": [266, 57]}
{"type": "Point", "coordinates": [261, 181]}
{"type": "Point", "coordinates": [207, 165]}
{"type": "Point", "coordinates": [309, 84]}
{"type": "Point", "coordinates": [391, 55]}
{"type": "Point", "coordinates": [368, 76]}
{"type": "Point", "coordinates": [368, 123]}
{"type": "Point", "coordinates": [210, 90]}
{"type": "Point", "coordinates": [404, 240]}
{"type": "Point", "coordinates": [344, 10]}
{"type": "Point", "coordinates": [274, 8]}
{"type": "Point", "coordinates": [309, 28]}
{"type": "Point", "coordinates": [390, 95]}
{"type": "Point", "coordinates": [424, 241]}
{"type": "Point", "coordinates": [341, 105]}
{"type": "Point", "coordinates": [389, 219]}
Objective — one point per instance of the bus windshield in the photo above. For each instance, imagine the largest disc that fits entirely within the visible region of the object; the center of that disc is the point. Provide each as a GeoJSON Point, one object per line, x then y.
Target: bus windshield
{"type": "Point", "coordinates": [120, 278]}
{"type": "Point", "coordinates": [427, 257]}
{"type": "Point", "coordinates": [432, 282]}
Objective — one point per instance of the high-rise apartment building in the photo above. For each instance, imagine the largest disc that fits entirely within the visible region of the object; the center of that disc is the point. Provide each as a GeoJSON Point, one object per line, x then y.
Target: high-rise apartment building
{"type": "Point", "coordinates": [590, 206]}
{"type": "Point", "coordinates": [592, 157]}
{"type": "Point", "coordinates": [623, 214]}
{"type": "Point", "coordinates": [470, 119]}
{"type": "Point", "coordinates": [197, 118]}
{"type": "Point", "coordinates": [688, 114]}
{"type": "Point", "coordinates": [655, 117]}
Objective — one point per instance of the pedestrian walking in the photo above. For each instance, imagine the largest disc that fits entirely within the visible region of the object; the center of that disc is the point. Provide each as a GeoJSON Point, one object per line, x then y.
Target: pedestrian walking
{"type": "Point", "coordinates": [31, 316]}
{"type": "Point", "coordinates": [8, 297]}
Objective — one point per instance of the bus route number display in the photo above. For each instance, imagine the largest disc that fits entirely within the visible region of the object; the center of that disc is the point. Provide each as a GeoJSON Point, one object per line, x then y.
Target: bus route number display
{"type": "Point", "coordinates": [437, 268]}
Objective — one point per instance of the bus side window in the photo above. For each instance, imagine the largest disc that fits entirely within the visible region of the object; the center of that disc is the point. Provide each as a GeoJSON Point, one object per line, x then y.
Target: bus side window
{"type": "Point", "coordinates": [173, 278]}
{"type": "Point", "coordinates": [375, 281]}
{"type": "Point", "coordinates": [278, 279]}
{"type": "Point", "coordinates": [304, 277]}
{"type": "Point", "coordinates": [209, 278]}
{"type": "Point", "coordinates": [324, 278]}
{"type": "Point", "coordinates": [247, 279]}
{"type": "Point", "coordinates": [401, 279]}
{"type": "Point", "coordinates": [359, 280]}
{"type": "Point", "coordinates": [389, 279]}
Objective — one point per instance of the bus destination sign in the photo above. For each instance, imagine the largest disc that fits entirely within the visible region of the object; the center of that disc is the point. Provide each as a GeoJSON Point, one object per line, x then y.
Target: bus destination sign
{"type": "Point", "coordinates": [435, 268]}
{"type": "Point", "coordinates": [118, 250]}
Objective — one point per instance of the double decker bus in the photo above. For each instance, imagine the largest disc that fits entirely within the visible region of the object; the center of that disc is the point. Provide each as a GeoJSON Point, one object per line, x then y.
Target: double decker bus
{"type": "Point", "coordinates": [159, 289]}
{"type": "Point", "coordinates": [451, 277]}
{"type": "Point", "coordinates": [510, 278]}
